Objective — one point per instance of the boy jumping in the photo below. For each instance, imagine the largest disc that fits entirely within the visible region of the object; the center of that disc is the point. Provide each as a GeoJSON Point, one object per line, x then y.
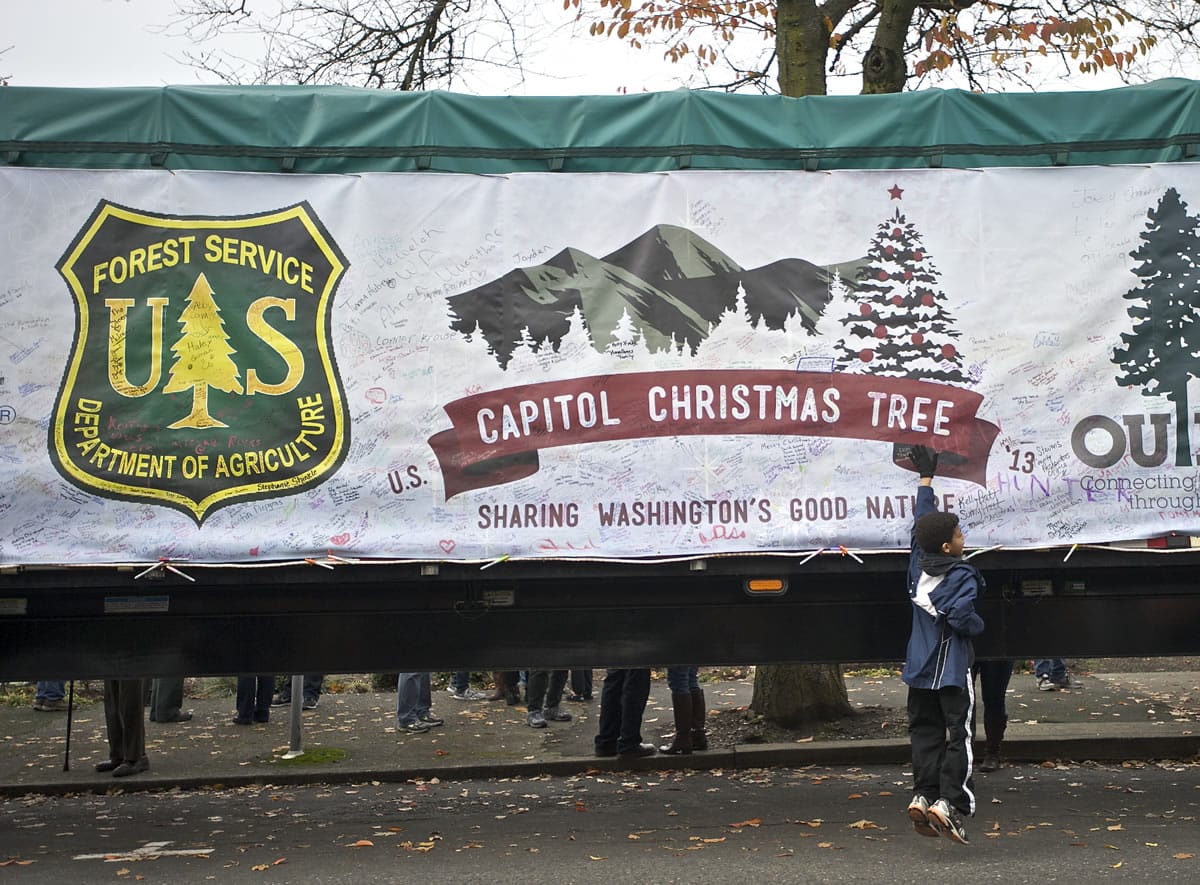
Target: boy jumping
{"type": "Point", "coordinates": [937, 665]}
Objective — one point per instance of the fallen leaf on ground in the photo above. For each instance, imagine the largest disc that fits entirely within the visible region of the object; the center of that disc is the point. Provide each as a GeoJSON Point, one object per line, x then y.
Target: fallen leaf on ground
{"type": "Point", "coordinates": [362, 843]}
{"type": "Point", "coordinates": [863, 825]}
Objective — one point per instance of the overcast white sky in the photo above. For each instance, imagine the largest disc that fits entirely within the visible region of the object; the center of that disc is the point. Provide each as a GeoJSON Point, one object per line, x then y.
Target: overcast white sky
{"type": "Point", "coordinates": [126, 43]}
{"type": "Point", "coordinates": [130, 43]}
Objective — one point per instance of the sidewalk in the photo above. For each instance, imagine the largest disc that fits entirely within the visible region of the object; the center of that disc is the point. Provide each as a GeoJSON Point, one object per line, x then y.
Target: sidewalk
{"type": "Point", "coordinates": [353, 738]}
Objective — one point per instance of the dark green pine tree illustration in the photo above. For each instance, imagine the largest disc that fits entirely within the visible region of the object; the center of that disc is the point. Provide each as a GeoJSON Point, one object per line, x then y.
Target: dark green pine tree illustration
{"type": "Point", "coordinates": [1159, 351]}
{"type": "Point", "coordinates": [900, 326]}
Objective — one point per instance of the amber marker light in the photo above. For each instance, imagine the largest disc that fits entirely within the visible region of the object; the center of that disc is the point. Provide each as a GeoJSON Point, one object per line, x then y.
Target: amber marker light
{"type": "Point", "coordinates": [766, 586]}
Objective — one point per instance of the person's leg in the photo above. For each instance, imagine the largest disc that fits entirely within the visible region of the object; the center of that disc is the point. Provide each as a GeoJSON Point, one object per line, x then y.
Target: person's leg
{"type": "Point", "coordinates": [425, 704]}
{"type": "Point", "coordinates": [535, 689]}
{"type": "Point", "coordinates": [408, 697]}
{"type": "Point", "coordinates": [634, 695]}
{"type": "Point", "coordinates": [52, 690]}
{"type": "Point", "coordinates": [576, 684]}
{"type": "Point", "coordinates": [927, 736]}
{"type": "Point", "coordinates": [313, 683]}
{"type": "Point", "coordinates": [263, 689]}
{"type": "Point", "coordinates": [245, 699]}
{"type": "Point", "coordinates": [610, 712]}
{"type": "Point", "coordinates": [112, 724]}
{"type": "Point", "coordinates": [956, 778]}
{"type": "Point", "coordinates": [283, 694]}
{"type": "Point", "coordinates": [681, 711]}
{"type": "Point", "coordinates": [551, 709]}
{"type": "Point", "coordinates": [460, 681]}
{"type": "Point", "coordinates": [49, 696]}
{"type": "Point", "coordinates": [166, 699]}
{"type": "Point", "coordinates": [130, 696]}
{"type": "Point", "coordinates": [1058, 671]}
{"type": "Point", "coordinates": [535, 696]}
{"type": "Point", "coordinates": [555, 688]}
{"type": "Point", "coordinates": [994, 677]}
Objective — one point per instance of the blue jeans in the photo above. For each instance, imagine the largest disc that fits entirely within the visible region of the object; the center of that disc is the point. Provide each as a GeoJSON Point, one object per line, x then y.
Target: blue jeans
{"type": "Point", "coordinates": [414, 697]}
{"type": "Point", "coordinates": [460, 681]}
{"type": "Point", "coordinates": [682, 680]}
{"type": "Point", "coordinates": [51, 690]}
{"type": "Point", "coordinates": [1054, 668]}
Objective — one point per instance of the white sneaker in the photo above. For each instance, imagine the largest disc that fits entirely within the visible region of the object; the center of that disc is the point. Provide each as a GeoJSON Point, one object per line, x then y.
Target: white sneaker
{"type": "Point", "coordinates": [1046, 684]}
{"type": "Point", "coordinates": [918, 813]}
{"type": "Point", "coordinates": [946, 821]}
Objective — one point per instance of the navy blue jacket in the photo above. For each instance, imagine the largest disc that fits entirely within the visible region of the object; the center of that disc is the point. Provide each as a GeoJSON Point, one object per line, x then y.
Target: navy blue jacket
{"type": "Point", "coordinates": [940, 650]}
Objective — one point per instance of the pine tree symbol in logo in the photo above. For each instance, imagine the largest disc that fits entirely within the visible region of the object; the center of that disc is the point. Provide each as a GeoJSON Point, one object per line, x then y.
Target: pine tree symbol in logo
{"type": "Point", "coordinates": [900, 326]}
{"type": "Point", "coordinates": [1160, 349]}
{"type": "Point", "coordinates": [202, 356]}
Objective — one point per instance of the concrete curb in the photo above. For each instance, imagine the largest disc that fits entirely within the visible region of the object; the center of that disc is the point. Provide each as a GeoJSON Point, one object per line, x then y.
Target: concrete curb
{"type": "Point", "coordinates": [747, 756]}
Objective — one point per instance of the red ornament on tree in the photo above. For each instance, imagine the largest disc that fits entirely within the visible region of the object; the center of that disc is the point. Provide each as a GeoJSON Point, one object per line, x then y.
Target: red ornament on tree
{"type": "Point", "coordinates": [864, 309]}
{"type": "Point", "coordinates": [883, 275]}
{"type": "Point", "coordinates": [927, 300]}
{"type": "Point", "coordinates": [866, 355]}
{"type": "Point", "coordinates": [880, 332]}
{"type": "Point", "coordinates": [918, 339]}
{"type": "Point", "coordinates": [889, 251]}
{"type": "Point", "coordinates": [897, 300]}
{"type": "Point", "coordinates": [918, 255]}
{"type": "Point", "coordinates": [907, 274]}
{"type": "Point", "coordinates": [896, 232]}
{"type": "Point", "coordinates": [948, 351]}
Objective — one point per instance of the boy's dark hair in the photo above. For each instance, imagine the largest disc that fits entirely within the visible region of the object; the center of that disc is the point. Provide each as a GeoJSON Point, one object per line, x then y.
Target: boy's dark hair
{"type": "Point", "coordinates": [935, 529]}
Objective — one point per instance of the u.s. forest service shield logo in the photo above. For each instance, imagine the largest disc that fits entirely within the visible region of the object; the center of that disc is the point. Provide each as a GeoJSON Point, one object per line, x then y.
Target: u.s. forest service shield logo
{"type": "Point", "coordinates": [202, 372]}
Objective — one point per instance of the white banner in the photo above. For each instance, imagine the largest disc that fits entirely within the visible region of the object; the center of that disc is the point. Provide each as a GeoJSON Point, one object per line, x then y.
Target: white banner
{"type": "Point", "coordinates": [230, 367]}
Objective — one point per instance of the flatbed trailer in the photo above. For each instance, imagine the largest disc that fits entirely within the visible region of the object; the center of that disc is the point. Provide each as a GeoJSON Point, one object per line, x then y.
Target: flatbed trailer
{"type": "Point", "coordinates": [407, 547]}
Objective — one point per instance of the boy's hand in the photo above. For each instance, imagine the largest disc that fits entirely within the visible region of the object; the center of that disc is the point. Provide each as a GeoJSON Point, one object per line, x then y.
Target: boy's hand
{"type": "Point", "coordinates": [925, 460]}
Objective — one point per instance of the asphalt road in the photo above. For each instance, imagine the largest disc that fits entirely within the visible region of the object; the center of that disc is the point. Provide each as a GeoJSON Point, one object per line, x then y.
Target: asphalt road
{"type": "Point", "coordinates": [1079, 823]}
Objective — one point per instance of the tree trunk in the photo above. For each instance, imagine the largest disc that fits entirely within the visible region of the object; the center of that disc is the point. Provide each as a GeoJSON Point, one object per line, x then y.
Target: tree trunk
{"type": "Point", "coordinates": [801, 44]}
{"type": "Point", "coordinates": [884, 66]}
{"type": "Point", "coordinates": [793, 694]}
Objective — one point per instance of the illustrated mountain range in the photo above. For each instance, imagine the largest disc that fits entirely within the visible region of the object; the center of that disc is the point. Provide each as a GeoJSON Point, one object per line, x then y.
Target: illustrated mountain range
{"type": "Point", "coordinates": [670, 281]}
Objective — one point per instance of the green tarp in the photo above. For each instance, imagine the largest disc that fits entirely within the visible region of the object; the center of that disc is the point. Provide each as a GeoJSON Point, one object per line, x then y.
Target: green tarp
{"type": "Point", "coordinates": [339, 129]}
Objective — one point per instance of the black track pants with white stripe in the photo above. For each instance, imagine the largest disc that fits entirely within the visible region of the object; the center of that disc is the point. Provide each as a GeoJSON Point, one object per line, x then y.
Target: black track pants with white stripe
{"type": "Point", "coordinates": [939, 726]}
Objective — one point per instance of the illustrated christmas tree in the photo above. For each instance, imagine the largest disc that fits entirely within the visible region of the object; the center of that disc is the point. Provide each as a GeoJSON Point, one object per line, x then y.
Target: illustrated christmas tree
{"type": "Point", "coordinates": [899, 325]}
{"type": "Point", "coordinates": [1159, 351]}
{"type": "Point", "coordinates": [203, 357]}
{"type": "Point", "coordinates": [624, 336]}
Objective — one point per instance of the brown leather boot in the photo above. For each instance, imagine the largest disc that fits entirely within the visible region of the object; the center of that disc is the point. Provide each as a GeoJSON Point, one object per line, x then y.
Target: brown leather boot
{"type": "Point", "coordinates": [699, 714]}
{"type": "Point", "coordinates": [681, 742]}
{"type": "Point", "coordinates": [498, 694]}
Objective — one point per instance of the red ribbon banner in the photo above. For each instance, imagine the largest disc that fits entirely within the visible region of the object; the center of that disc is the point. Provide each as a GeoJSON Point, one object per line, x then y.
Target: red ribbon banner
{"type": "Point", "coordinates": [496, 435]}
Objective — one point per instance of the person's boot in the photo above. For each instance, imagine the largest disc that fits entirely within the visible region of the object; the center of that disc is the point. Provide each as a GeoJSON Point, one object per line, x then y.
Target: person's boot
{"type": "Point", "coordinates": [498, 694]}
{"type": "Point", "coordinates": [699, 714]}
{"type": "Point", "coordinates": [993, 731]}
{"type": "Point", "coordinates": [681, 743]}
